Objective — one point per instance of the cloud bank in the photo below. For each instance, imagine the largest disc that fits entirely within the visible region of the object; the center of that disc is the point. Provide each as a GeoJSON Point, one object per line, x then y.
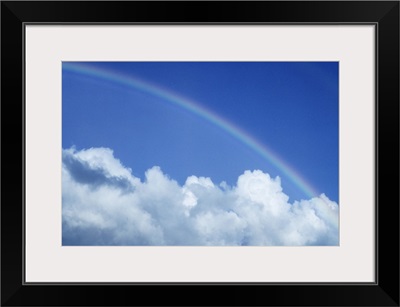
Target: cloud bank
{"type": "Point", "coordinates": [104, 204]}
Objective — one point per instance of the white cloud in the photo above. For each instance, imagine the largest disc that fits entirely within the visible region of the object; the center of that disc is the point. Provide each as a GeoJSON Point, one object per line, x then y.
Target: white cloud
{"type": "Point", "coordinates": [104, 204]}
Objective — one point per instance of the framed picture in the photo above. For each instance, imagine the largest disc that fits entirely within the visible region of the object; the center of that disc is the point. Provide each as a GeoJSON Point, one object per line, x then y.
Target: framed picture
{"type": "Point", "coordinates": [238, 147]}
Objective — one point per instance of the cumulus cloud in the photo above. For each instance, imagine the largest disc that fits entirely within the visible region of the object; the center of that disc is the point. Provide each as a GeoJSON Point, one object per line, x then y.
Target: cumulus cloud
{"type": "Point", "coordinates": [104, 204]}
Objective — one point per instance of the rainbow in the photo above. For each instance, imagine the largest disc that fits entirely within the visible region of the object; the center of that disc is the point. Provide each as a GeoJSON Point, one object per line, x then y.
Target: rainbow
{"type": "Point", "coordinates": [196, 108]}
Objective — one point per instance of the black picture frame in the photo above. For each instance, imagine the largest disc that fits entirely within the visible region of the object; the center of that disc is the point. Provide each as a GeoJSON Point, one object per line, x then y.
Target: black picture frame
{"type": "Point", "coordinates": [383, 14]}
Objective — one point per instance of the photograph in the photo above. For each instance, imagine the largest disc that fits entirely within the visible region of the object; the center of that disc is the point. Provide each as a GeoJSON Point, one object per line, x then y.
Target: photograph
{"type": "Point", "coordinates": [200, 153]}
{"type": "Point", "coordinates": [210, 148]}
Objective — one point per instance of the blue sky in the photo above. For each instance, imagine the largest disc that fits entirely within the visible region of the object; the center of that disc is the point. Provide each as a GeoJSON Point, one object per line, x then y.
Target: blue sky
{"type": "Point", "coordinates": [289, 107]}
{"type": "Point", "coordinates": [200, 153]}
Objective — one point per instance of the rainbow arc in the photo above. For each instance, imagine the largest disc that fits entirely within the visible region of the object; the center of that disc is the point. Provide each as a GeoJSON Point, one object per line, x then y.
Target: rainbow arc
{"type": "Point", "coordinates": [196, 108]}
